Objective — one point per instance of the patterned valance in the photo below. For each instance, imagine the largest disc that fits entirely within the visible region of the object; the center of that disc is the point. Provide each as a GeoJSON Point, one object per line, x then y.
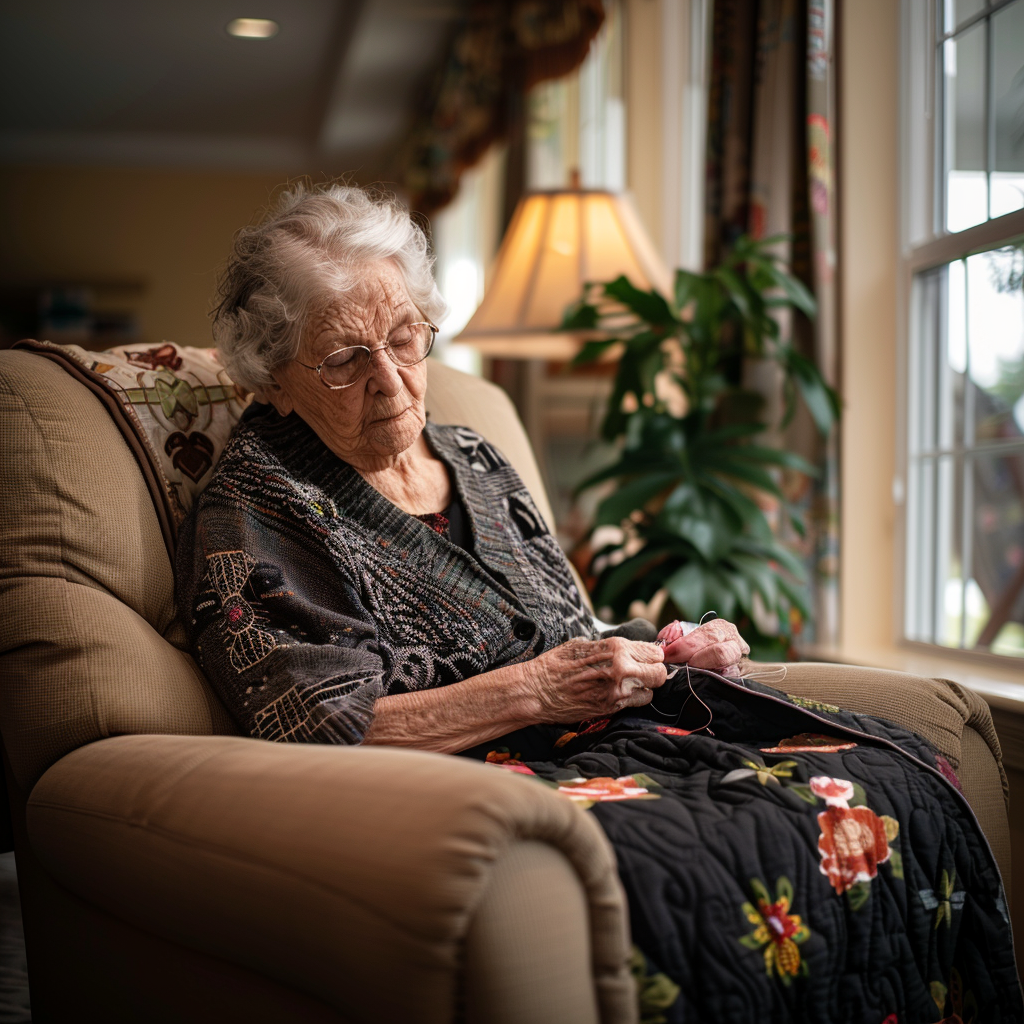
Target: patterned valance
{"type": "Point", "coordinates": [498, 52]}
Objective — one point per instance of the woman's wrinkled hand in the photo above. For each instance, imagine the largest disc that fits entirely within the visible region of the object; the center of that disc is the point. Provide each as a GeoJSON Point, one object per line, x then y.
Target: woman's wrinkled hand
{"type": "Point", "coordinates": [717, 645]}
{"type": "Point", "coordinates": [584, 679]}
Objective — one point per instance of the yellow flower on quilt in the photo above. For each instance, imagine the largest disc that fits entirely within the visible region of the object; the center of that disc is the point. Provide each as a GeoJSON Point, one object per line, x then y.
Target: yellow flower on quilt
{"type": "Point", "coordinates": [776, 931]}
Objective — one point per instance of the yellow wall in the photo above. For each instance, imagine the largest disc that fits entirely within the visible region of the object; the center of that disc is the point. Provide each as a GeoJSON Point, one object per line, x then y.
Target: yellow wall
{"type": "Point", "coordinates": [168, 229]}
{"type": "Point", "coordinates": [868, 186]}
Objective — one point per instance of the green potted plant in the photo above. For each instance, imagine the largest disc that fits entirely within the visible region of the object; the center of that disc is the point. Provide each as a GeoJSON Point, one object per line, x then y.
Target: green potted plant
{"type": "Point", "coordinates": [693, 470]}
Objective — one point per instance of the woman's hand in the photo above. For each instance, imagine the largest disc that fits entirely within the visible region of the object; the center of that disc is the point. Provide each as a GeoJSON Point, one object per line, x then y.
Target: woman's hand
{"type": "Point", "coordinates": [584, 679]}
{"type": "Point", "coordinates": [717, 645]}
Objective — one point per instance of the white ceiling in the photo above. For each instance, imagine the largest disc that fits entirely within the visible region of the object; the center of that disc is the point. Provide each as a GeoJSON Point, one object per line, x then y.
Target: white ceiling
{"type": "Point", "coordinates": [133, 82]}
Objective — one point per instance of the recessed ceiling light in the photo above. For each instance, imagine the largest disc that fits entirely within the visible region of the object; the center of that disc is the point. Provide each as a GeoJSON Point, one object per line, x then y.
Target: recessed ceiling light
{"type": "Point", "coordinates": [253, 28]}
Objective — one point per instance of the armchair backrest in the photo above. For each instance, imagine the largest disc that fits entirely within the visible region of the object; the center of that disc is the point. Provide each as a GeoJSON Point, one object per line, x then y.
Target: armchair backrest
{"type": "Point", "coordinates": [87, 615]}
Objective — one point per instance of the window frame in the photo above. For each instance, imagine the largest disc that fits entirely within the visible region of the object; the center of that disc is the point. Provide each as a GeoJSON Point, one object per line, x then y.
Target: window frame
{"type": "Point", "coordinates": [925, 244]}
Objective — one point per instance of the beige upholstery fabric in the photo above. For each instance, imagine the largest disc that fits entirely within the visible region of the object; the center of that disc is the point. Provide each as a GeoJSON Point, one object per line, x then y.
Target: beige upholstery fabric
{"type": "Point", "coordinates": [79, 510]}
{"type": "Point", "coordinates": [85, 583]}
{"type": "Point", "coordinates": [309, 863]}
{"type": "Point", "coordinates": [531, 891]}
{"type": "Point", "coordinates": [86, 965]}
{"type": "Point", "coordinates": [952, 718]}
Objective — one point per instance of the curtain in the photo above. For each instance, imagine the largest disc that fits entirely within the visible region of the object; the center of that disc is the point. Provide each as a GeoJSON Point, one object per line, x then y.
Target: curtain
{"type": "Point", "coordinates": [770, 171]}
{"type": "Point", "coordinates": [500, 50]}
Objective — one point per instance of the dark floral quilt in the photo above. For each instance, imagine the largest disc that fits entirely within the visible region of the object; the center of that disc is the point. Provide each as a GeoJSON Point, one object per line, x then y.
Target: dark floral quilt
{"type": "Point", "coordinates": [791, 862]}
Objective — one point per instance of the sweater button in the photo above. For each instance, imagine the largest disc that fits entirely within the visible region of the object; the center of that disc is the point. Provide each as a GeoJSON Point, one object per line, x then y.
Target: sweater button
{"type": "Point", "coordinates": [523, 629]}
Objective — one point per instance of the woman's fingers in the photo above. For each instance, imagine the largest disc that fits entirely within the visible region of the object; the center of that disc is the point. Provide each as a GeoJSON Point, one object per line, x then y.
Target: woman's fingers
{"type": "Point", "coordinates": [634, 696]}
{"type": "Point", "coordinates": [717, 644]}
{"type": "Point", "coordinates": [586, 678]}
{"type": "Point", "coordinates": [720, 655]}
{"type": "Point", "coordinates": [640, 661]}
{"type": "Point", "coordinates": [615, 658]}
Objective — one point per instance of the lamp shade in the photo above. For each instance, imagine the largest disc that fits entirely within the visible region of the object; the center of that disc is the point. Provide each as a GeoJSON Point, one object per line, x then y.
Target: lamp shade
{"type": "Point", "coordinates": [556, 243]}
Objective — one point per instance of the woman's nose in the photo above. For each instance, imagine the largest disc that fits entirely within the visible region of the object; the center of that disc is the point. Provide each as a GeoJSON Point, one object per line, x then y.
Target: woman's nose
{"type": "Point", "coordinates": [382, 374]}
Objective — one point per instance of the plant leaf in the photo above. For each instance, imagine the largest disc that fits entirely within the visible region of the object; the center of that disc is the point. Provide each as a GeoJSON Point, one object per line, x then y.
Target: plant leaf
{"type": "Point", "coordinates": [686, 588]}
{"type": "Point", "coordinates": [797, 597]}
{"type": "Point", "coordinates": [593, 350]}
{"type": "Point", "coordinates": [686, 286]}
{"type": "Point", "coordinates": [631, 496]}
{"type": "Point", "coordinates": [650, 306]}
{"type": "Point", "coordinates": [751, 474]}
{"type": "Point", "coordinates": [612, 581]}
{"type": "Point", "coordinates": [822, 401]}
{"type": "Point", "coordinates": [763, 579]}
{"type": "Point", "coordinates": [774, 456]}
{"type": "Point", "coordinates": [581, 315]}
{"type": "Point", "coordinates": [795, 290]}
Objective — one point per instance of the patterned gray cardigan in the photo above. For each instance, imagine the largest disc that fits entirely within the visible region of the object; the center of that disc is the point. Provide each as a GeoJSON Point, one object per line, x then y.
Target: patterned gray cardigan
{"type": "Point", "coordinates": [308, 595]}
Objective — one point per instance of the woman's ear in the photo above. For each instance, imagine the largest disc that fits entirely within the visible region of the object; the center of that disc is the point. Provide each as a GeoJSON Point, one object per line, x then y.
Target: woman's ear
{"type": "Point", "coordinates": [275, 395]}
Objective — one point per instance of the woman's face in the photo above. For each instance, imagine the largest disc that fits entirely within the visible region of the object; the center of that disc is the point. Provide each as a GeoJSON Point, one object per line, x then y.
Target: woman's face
{"type": "Point", "coordinates": [382, 413]}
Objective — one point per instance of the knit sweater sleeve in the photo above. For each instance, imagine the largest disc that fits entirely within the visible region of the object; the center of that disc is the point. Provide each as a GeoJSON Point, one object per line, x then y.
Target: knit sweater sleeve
{"type": "Point", "coordinates": [277, 628]}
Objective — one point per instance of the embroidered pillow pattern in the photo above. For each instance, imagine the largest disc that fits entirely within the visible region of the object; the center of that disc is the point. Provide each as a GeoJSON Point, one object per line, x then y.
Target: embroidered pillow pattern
{"type": "Point", "coordinates": [179, 403]}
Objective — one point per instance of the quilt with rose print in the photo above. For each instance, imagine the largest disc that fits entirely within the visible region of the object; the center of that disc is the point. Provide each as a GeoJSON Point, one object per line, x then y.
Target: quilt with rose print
{"type": "Point", "coordinates": [792, 862]}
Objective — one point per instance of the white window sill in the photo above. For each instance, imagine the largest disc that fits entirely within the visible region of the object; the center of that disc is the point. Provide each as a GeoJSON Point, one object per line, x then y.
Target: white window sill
{"type": "Point", "coordinates": [1001, 687]}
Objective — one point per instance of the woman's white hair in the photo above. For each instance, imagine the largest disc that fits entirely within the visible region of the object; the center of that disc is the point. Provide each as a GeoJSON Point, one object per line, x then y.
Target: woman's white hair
{"type": "Point", "coordinates": [309, 249]}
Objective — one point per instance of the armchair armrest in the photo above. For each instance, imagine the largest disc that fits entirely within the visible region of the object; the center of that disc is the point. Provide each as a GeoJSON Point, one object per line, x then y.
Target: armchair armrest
{"type": "Point", "coordinates": [331, 869]}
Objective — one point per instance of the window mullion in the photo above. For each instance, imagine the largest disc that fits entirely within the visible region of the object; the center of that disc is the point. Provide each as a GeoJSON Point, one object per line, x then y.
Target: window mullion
{"type": "Point", "coordinates": [990, 121]}
{"type": "Point", "coordinates": [966, 538]}
{"type": "Point", "coordinates": [949, 247]}
{"type": "Point", "coordinates": [966, 496]}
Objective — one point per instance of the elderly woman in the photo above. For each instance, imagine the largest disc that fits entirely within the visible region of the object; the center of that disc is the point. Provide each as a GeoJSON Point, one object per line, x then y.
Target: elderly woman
{"type": "Point", "coordinates": [356, 574]}
{"type": "Point", "coordinates": [381, 579]}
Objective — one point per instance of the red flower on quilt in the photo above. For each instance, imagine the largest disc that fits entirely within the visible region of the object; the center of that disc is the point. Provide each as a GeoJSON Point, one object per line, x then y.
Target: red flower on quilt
{"type": "Point", "coordinates": [947, 771]}
{"type": "Point", "coordinates": [809, 743]}
{"type": "Point", "coordinates": [503, 759]}
{"type": "Point", "coordinates": [588, 726]}
{"type": "Point", "coordinates": [590, 791]}
{"type": "Point", "coordinates": [853, 840]}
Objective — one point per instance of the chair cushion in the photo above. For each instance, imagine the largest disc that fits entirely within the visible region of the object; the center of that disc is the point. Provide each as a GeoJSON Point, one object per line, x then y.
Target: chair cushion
{"type": "Point", "coordinates": [174, 405]}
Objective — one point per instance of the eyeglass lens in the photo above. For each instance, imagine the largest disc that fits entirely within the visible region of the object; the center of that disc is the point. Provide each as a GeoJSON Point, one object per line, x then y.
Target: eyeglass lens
{"type": "Point", "coordinates": [406, 346]}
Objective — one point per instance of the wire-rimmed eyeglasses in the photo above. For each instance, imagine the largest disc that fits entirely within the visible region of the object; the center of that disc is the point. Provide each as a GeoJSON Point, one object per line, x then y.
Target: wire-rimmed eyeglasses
{"type": "Point", "coordinates": [405, 346]}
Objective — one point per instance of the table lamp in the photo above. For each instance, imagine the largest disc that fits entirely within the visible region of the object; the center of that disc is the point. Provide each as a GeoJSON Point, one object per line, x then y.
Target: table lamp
{"type": "Point", "coordinates": [557, 242]}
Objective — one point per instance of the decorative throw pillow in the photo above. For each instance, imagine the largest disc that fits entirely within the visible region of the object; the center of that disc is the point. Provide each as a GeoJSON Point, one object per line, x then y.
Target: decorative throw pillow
{"type": "Point", "coordinates": [175, 406]}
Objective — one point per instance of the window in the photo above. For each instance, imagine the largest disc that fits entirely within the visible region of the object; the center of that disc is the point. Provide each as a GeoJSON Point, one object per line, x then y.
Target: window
{"type": "Point", "coordinates": [578, 123]}
{"type": "Point", "coordinates": [963, 257]}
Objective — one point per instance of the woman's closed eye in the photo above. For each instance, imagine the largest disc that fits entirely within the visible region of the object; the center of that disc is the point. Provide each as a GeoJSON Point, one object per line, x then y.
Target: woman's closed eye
{"type": "Point", "coordinates": [342, 357]}
{"type": "Point", "coordinates": [402, 338]}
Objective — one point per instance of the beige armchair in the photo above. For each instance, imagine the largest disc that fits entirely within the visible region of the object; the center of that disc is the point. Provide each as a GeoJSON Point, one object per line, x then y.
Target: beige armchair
{"type": "Point", "coordinates": [174, 871]}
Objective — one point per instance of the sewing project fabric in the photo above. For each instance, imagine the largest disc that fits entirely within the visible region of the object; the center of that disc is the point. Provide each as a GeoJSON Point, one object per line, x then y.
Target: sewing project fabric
{"type": "Point", "coordinates": [790, 862]}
